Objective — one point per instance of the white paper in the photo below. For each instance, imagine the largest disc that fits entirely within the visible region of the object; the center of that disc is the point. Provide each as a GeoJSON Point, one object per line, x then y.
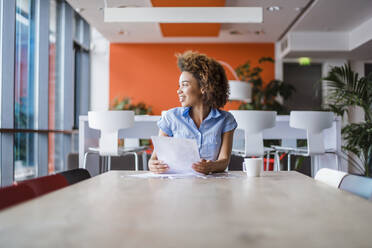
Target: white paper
{"type": "Point", "coordinates": [165, 175]}
{"type": "Point", "coordinates": [178, 153]}
{"type": "Point", "coordinates": [184, 175]}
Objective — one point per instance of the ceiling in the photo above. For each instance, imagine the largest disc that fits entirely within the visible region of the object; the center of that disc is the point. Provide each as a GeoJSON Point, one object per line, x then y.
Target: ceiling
{"type": "Point", "coordinates": [335, 16]}
{"type": "Point", "coordinates": [329, 23]}
{"type": "Point", "coordinates": [274, 24]}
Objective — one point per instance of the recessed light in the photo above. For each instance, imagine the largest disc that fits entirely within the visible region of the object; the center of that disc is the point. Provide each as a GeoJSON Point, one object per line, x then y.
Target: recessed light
{"type": "Point", "coordinates": [299, 8]}
{"type": "Point", "coordinates": [235, 32]}
{"type": "Point", "coordinates": [122, 32]}
{"type": "Point", "coordinates": [259, 32]}
{"type": "Point", "coordinates": [79, 10]}
{"type": "Point", "coordinates": [273, 8]}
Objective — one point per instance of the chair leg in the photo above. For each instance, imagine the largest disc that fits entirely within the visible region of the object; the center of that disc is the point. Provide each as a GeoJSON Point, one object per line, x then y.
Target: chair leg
{"type": "Point", "coordinates": [103, 164]}
{"type": "Point", "coordinates": [267, 160]}
{"type": "Point", "coordinates": [109, 163]}
{"type": "Point", "coordinates": [100, 164]}
{"type": "Point", "coordinates": [289, 162]}
{"type": "Point", "coordinates": [312, 168]}
{"type": "Point", "coordinates": [136, 161]}
{"type": "Point", "coordinates": [144, 160]}
{"type": "Point", "coordinates": [85, 160]}
{"type": "Point", "coordinates": [277, 158]}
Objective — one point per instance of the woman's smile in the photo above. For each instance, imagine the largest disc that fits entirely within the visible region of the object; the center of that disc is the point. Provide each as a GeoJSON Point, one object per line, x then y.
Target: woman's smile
{"type": "Point", "coordinates": [189, 92]}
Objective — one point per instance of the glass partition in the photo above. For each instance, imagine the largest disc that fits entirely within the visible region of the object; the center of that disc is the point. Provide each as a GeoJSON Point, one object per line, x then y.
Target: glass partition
{"type": "Point", "coordinates": [24, 91]}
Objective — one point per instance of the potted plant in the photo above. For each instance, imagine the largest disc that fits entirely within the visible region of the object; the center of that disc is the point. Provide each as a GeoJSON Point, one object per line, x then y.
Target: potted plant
{"type": "Point", "coordinates": [126, 104]}
{"type": "Point", "coordinates": [264, 97]}
{"type": "Point", "coordinates": [139, 109]}
{"type": "Point", "coordinates": [347, 89]}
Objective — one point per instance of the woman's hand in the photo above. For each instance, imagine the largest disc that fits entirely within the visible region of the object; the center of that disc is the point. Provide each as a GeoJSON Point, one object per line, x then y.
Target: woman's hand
{"type": "Point", "coordinates": [203, 166]}
{"type": "Point", "coordinates": [157, 166]}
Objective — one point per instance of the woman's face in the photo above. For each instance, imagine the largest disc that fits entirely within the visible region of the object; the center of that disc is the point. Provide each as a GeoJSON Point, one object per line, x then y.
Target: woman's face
{"type": "Point", "coordinates": [189, 92]}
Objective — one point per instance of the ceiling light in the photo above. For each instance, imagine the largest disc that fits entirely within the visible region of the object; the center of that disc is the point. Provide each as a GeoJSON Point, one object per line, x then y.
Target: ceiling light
{"type": "Point", "coordinates": [185, 14]}
{"type": "Point", "coordinates": [239, 90]}
{"type": "Point", "coordinates": [299, 9]}
{"type": "Point", "coordinates": [79, 10]}
{"type": "Point", "coordinates": [235, 32]}
{"type": "Point", "coordinates": [273, 8]}
{"type": "Point", "coordinates": [259, 32]}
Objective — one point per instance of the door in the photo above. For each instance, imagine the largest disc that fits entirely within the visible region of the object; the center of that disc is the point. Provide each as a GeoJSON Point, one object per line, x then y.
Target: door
{"type": "Point", "coordinates": [305, 79]}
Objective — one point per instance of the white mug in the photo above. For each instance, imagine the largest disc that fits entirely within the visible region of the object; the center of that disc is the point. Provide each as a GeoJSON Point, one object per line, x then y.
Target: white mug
{"type": "Point", "coordinates": [252, 166]}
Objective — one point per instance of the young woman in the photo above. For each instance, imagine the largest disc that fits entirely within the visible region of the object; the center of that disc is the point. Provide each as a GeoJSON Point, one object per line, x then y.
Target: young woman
{"type": "Point", "coordinates": [203, 90]}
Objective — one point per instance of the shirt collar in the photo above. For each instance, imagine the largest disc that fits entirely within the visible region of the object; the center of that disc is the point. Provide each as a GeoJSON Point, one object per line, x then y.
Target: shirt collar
{"type": "Point", "coordinates": [214, 113]}
{"type": "Point", "coordinates": [186, 111]}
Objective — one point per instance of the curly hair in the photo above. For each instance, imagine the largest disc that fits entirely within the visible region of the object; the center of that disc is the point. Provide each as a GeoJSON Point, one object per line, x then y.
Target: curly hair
{"type": "Point", "coordinates": [210, 76]}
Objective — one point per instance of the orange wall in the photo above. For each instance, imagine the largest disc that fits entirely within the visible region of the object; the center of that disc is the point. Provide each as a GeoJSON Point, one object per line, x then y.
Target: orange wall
{"type": "Point", "coordinates": [149, 72]}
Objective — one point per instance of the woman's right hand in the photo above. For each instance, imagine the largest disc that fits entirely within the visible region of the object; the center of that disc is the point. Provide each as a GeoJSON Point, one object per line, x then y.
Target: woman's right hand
{"type": "Point", "coordinates": [157, 166]}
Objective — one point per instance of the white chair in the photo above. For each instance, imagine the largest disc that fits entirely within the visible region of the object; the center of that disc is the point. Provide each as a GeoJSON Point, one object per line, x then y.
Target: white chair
{"type": "Point", "coordinates": [314, 122]}
{"type": "Point", "coordinates": [109, 123]}
{"type": "Point", "coordinates": [253, 122]}
{"type": "Point", "coordinates": [331, 177]}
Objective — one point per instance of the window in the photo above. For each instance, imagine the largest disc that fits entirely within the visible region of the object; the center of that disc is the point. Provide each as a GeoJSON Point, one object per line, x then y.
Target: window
{"type": "Point", "coordinates": [24, 92]}
{"type": "Point", "coordinates": [55, 117]}
{"type": "Point", "coordinates": [37, 109]}
{"type": "Point", "coordinates": [81, 68]}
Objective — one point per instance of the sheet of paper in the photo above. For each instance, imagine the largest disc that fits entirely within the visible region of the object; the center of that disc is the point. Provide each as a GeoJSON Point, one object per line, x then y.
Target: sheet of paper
{"type": "Point", "coordinates": [165, 175]}
{"type": "Point", "coordinates": [185, 175]}
{"type": "Point", "coordinates": [178, 153]}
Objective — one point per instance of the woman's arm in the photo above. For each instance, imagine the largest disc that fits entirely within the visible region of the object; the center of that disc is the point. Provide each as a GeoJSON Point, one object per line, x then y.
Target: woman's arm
{"type": "Point", "coordinates": [223, 160]}
{"type": "Point", "coordinates": [154, 164]}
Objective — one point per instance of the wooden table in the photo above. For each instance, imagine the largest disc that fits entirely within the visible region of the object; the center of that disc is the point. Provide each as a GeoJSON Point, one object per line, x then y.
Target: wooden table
{"type": "Point", "coordinates": [281, 209]}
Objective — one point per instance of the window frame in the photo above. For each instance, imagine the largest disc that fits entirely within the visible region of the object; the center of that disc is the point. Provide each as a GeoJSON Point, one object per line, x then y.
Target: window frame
{"type": "Point", "coordinates": [7, 46]}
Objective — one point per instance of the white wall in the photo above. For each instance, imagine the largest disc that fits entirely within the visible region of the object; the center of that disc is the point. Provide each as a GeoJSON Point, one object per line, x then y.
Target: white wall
{"type": "Point", "coordinates": [99, 88]}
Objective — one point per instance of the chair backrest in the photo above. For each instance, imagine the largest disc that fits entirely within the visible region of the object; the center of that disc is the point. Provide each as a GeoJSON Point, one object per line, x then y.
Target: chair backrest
{"type": "Point", "coordinates": [361, 186]}
{"type": "Point", "coordinates": [15, 194]}
{"type": "Point", "coordinates": [253, 123]}
{"type": "Point", "coordinates": [314, 122]}
{"type": "Point", "coordinates": [331, 177]}
{"type": "Point", "coordinates": [110, 122]}
{"type": "Point", "coordinates": [75, 176]}
{"type": "Point", "coordinates": [44, 185]}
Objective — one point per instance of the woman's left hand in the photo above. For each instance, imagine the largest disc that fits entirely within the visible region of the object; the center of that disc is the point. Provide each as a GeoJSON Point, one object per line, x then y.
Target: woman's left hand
{"type": "Point", "coordinates": [203, 166]}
